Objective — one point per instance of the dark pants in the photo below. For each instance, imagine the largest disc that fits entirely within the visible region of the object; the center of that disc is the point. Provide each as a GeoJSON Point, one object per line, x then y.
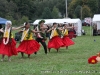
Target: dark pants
{"type": "Point", "coordinates": [43, 44]}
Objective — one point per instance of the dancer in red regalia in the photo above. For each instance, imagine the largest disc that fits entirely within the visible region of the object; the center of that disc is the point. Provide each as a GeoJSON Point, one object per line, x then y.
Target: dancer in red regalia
{"type": "Point", "coordinates": [28, 45]}
{"type": "Point", "coordinates": [55, 40]}
{"type": "Point", "coordinates": [66, 40]}
{"type": "Point", "coordinates": [8, 44]}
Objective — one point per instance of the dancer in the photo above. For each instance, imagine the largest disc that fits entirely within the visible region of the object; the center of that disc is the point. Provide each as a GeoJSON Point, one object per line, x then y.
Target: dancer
{"type": "Point", "coordinates": [41, 37]}
{"type": "Point", "coordinates": [55, 38]}
{"type": "Point", "coordinates": [66, 40]}
{"type": "Point", "coordinates": [8, 45]}
{"type": "Point", "coordinates": [28, 45]}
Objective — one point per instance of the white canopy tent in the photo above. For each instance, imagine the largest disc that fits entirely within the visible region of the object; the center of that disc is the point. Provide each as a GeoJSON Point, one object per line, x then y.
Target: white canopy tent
{"type": "Point", "coordinates": [96, 19]}
{"type": "Point", "coordinates": [50, 21]}
{"type": "Point", "coordinates": [77, 23]}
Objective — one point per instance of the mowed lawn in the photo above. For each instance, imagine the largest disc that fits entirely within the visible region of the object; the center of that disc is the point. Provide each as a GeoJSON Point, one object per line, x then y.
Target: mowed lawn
{"type": "Point", "coordinates": [72, 61]}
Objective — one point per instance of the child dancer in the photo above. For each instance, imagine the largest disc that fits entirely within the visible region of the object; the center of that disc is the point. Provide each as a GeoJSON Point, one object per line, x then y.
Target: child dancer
{"type": "Point", "coordinates": [55, 40]}
{"type": "Point", "coordinates": [66, 40]}
{"type": "Point", "coordinates": [28, 45]}
{"type": "Point", "coordinates": [8, 44]}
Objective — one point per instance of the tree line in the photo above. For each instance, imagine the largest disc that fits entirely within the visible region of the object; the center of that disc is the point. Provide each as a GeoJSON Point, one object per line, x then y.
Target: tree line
{"type": "Point", "coordinates": [19, 11]}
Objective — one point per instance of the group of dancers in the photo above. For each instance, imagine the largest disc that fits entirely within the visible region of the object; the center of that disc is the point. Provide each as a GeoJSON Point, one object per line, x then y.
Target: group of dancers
{"type": "Point", "coordinates": [28, 45]}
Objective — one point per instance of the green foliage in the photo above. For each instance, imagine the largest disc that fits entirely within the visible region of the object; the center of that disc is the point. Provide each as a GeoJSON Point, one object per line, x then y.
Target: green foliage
{"type": "Point", "coordinates": [78, 11]}
{"type": "Point", "coordinates": [36, 9]}
{"type": "Point", "coordinates": [12, 19]}
{"type": "Point", "coordinates": [86, 11]}
{"type": "Point", "coordinates": [24, 19]}
{"type": "Point", "coordinates": [55, 13]}
{"type": "Point", "coordinates": [46, 13]}
{"type": "Point", "coordinates": [87, 6]}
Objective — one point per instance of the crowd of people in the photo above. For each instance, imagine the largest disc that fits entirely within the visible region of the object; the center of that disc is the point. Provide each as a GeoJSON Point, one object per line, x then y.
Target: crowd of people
{"type": "Point", "coordinates": [59, 36]}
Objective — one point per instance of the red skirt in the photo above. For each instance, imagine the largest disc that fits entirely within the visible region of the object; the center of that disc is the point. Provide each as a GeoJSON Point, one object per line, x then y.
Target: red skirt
{"type": "Point", "coordinates": [67, 41]}
{"type": "Point", "coordinates": [28, 46]}
{"type": "Point", "coordinates": [55, 42]}
{"type": "Point", "coordinates": [9, 49]}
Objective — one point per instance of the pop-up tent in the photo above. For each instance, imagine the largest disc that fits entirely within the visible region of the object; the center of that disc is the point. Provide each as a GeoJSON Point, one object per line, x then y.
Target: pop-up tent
{"type": "Point", "coordinates": [96, 19]}
{"type": "Point", "coordinates": [77, 23]}
{"type": "Point", "coordinates": [3, 21]}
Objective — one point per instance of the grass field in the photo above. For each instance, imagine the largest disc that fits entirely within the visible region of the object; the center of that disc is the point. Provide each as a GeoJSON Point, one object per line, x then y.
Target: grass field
{"type": "Point", "coordinates": [72, 61]}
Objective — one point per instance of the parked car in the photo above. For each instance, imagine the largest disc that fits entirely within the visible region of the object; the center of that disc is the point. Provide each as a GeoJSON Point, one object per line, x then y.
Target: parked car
{"type": "Point", "coordinates": [84, 23]}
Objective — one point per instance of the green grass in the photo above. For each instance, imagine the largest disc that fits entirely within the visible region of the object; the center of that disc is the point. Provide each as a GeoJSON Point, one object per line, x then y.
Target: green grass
{"type": "Point", "coordinates": [66, 62]}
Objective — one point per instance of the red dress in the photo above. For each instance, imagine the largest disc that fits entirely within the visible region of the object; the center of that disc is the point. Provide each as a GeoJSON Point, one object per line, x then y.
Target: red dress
{"type": "Point", "coordinates": [55, 41]}
{"type": "Point", "coordinates": [67, 41]}
{"type": "Point", "coordinates": [8, 49]}
{"type": "Point", "coordinates": [28, 46]}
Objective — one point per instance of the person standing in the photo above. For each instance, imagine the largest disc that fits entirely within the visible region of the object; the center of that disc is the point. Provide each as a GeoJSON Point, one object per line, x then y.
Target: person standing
{"type": "Point", "coordinates": [28, 45]}
{"type": "Point", "coordinates": [41, 37]}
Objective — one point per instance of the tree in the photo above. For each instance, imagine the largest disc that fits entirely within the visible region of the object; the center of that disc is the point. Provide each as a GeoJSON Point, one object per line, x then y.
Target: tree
{"type": "Point", "coordinates": [86, 11]}
{"type": "Point", "coordinates": [78, 11]}
{"type": "Point", "coordinates": [24, 19]}
{"type": "Point", "coordinates": [90, 5]}
{"type": "Point", "coordinates": [35, 9]}
{"type": "Point", "coordinates": [46, 13]}
{"type": "Point", "coordinates": [55, 12]}
{"type": "Point", "coordinates": [93, 5]}
{"type": "Point", "coordinates": [3, 8]}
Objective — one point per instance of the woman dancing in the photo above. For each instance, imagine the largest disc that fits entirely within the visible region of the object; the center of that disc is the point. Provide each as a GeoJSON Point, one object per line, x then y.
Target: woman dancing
{"type": "Point", "coordinates": [55, 38]}
{"type": "Point", "coordinates": [28, 45]}
{"type": "Point", "coordinates": [66, 40]}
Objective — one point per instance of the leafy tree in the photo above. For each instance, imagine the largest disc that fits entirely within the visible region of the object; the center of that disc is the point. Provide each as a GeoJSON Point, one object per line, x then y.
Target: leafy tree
{"type": "Point", "coordinates": [86, 12]}
{"type": "Point", "coordinates": [3, 8]}
{"type": "Point", "coordinates": [10, 18]}
{"type": "Point", "coordinates": [24, 19]}
{"type": "Point", "coordinates": [46, 13]}
{"type": "Point", "coordinates": [90, 5]}
{"type": "Point", "coordinates": [93, 5]}
{"type": "Point", "coordinates": [55, 12]}
{"type": "Point", "coordinates": [35, 9]}
{"type": "Point", "coordinates": [78, 11]}
{"type": "Point", "coordinates": [98, 6]}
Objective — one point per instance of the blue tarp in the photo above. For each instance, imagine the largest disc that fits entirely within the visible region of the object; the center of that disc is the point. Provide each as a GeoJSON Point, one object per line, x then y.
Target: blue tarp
{"type": "Point", "coordinates": [3, 21]}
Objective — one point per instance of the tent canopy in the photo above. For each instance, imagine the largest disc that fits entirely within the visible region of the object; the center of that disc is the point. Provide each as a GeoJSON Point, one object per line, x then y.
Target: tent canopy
{"type": "Point", "coordinates": [3, 21]}
{"type": "Point", "coordinates": [50, 21]}
{"type": "Point", "coordinates": [96, 18]}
